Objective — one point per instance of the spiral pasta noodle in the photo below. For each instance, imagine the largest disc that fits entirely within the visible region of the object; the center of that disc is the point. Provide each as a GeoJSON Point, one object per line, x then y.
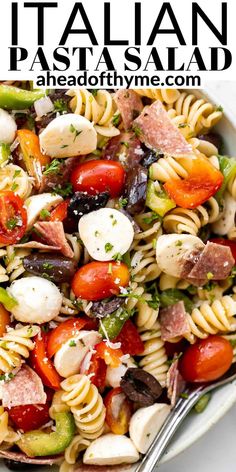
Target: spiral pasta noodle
{"type": "Point", "coordinates": [164, 95]}
{"type": "Point", "coordinates": [77, 445]}
{"type": "Point", "coordinates": [58, 405]}
{"type": "Point", "coordinates": [7, 434]}
{"type": "Point", "coordinates": [216, 290]}
{"type": "Point", "coordinates": [99, 109]}
{"type": "Point", "coordinates": [14, 261]}
{"type": "Point", "coordinates": [154, 358]}
{"type": "Point", "coordinates": [146, 316]}
{"type": "Point", "coordinates": [180, 220]}
{"type": "Point", "coordinates": [15, 345]}
{"type": "Point", "coordinates": [86, 404]}
{"type": "Point", "coordinates": [14, 178]}
{"type": "Point", "coordinates": [169, 281]}
{"type": "Point", "coordinates": [198, 114]}
{"type": "Point", "coordinates": [212, 318]}
{"type": "Point", "coordinates": [167, 168]}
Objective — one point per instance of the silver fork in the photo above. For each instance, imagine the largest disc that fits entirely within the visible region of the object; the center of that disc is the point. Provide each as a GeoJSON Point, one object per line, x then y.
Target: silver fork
{"type": "Point", "coordinates": [175, 418]}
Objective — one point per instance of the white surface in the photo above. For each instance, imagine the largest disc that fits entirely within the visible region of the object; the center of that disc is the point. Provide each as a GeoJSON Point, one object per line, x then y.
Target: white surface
{"type": "Point", "coordinates": [215, 451]}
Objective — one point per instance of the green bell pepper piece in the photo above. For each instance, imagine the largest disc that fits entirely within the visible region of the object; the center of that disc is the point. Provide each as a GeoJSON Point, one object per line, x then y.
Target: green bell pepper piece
{"type": "Point", "coordinates": [202, 403]}
{"type": "Point", "coordinates": [158, 201]}
{"type": "Point", "coordinates": [112, 324]}
{"type": "Point", "coordinates": [8, 301]}
{"type": "Point", "coordinates": [228, 169]}
{"type": "Point", "coordinates": [38, 443]}
{"type": "Point", "coordinates": [173, 295]}
{"type": "Point", "coordinates": [13, 98]}
{"type": "Point", "coordinates": [5, 153]}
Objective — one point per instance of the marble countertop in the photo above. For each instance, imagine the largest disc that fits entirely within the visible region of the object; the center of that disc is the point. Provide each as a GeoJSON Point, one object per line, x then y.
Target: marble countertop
{"type": "Point", "coordinates": [215, 451]}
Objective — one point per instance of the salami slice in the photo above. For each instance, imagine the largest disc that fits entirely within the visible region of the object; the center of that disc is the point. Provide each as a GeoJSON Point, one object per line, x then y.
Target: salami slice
{"type": "Point", "coordinates": [21, 457]}
{"type": "Point", "coordinates": [129, 105]}
{"type": "Point", "coordinates": [26, 388]}
{"type": "Point", "coordinates": [53, 232]}
{"type": "Point", "coordinates": [173, 321]}
{"type": "Point", "coordinates": [175, 383]}
{"type": "Point", "coordinates": [156, 130]}
{"type": "Point", "coordinates": [125, 148]}
{"type": "Point", "coordinates": [37, 245]}
{"type": "Point", "coordinates": [214, 263]}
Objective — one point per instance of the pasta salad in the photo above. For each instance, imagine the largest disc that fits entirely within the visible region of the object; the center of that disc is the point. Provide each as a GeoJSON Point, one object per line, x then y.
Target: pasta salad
{"type": "Point", "coordinates": [117, 268]}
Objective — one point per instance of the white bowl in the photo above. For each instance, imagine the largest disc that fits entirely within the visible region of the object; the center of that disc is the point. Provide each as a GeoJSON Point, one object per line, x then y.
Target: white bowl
{"type": "Point", "coordinates": [196, 425]}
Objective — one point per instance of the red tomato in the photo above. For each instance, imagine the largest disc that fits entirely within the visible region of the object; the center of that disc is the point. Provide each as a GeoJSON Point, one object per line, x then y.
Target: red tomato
{"type": "Point", "coordinates": [99, 176]}
{"type": "Point", "coordinates": [4, 319]}
{"type": "Point", "coordinates": [66, 331]}
{"type": "Point", "coordinates": [29, 417]}
{"type": "Point", "coordinates": [97, 371]}
{"type": "Point", "coordinates": [130, 340]}
{"type": "Point", "coordinates": [202, 182]}
{"type": "Point", "coordinates": [118, 411]}
{"type": "Point", "coordinates": [13, 218]}
{"type": "Point", "coordinates": [111, 356]}
{"type": "Point", "coordinates": [206, 360]}
{"type": "Point", "coordinates": [175, 348]}
{"type": "Point", "coordinates": [96, 280]}
{"type": "Point", "coordinates": [42, 364]}
{"type": "Point", "coordinates": [60, 212]}
{"type": "Point", "coordinates": [226, 242]}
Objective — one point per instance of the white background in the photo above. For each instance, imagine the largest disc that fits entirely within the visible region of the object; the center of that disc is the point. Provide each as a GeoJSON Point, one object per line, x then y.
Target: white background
{"type": "Point", "coordinates": [216, 450]}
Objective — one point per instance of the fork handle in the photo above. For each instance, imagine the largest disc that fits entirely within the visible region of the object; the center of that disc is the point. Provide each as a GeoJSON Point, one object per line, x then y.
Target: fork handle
{"type": "Point", "coordinates": [164, 436]}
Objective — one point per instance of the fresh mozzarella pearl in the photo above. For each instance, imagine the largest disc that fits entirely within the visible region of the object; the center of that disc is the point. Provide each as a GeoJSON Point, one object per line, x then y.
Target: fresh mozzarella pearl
{"type": "Point", "coordinates": [172, 250]}
{"type": "Point", "coordinates": [105, 233]}
{"type": "Point", "coordinates": [7, 127]}
{"type": "Point", "coordinates": [67, 136]}
{"type": "Point", "coordinates": [35, 204]}
{"type": "Point", "coordinates": [69, 357]}
{"type": "Point", "coordinates": [145, 424]}
{"type": "Point", "coordinates": [38, 300]}
{"type": "Point", "coordinates": [111, 449]}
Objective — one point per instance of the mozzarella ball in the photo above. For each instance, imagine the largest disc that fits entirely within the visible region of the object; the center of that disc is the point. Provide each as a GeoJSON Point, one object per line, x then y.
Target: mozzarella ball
{"type": "Point", "coordinates": [68, 136]}
{"type": "Point", "coordinates": [7, 127]}
{"type": "Point", "coordinates": [106, 233]}
{"type": "Point", "coordinates": [173, 249]}
{"type": "Point", "coordinates": [38, 300]}
{"type": "Point", "coordinates": [115, 374]}
{"type": "Point", "coordinates": [111, 449]}
{"type": "Point", "coordinates": [36, 203]}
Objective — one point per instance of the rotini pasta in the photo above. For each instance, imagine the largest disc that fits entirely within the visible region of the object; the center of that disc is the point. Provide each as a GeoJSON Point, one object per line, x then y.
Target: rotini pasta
{"type": "Point", "coordinates": [167, 168]}
{"type": "Point", "coordinates": [7, 434]}
{"type": "Point", "coordinates": [168, 281]}
{"type": "Point", "coordinates": [12, 177]}
{"type": "Point", "coordinates": [77, 445]}
{"type": "Point", "coordinates": [86, 404]}
{"type": "Point", "coordinates": [168, 96]}
{"type": "Point", "coordinates": [181, 220]}
{"type": "Point", "coordinates": [99, 109]}
{"type": "Point", "coordinates": [15, 345]}
{"type": "Point", "coordinates": [146, 316]}
{"type": "Point", "coordinates": [14, 262]}
{"type": "Point", "coordinates": [154, 358]}
{"type": "Point", "coordinates": [212, 318]}
{"type": "Point", "coordinates": [198, 114]}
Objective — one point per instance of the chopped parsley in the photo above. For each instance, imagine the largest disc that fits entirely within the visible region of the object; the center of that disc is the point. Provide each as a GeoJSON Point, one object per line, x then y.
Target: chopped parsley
{"type": "Point", "coordinates": [7, 377]}
{"type": "Point", "coordinates": [116, 119]}
{"type": "Point", "coordinates": [53, 167]}
{"type": "Point", "coordinates": [117, 257]}
{"type": "Point", "coordinates": [178, 243]}
{"type": "Point", "coordinates": [210, 275]}
{"type": "Point", "coordinates": [64, 190]}
{"type": "Point", "coordinates": [123, 202]}
{"type": "Point", "coordinates": [16, 173]}
{"type": "Point", "coordinates": [96, 234]}
{"type": "Point", "coordinates": [108, 247]}
{"type": "Point", "coordinates": [148, 220]}
{"type": "Point", "coordinates": [45, 213]}
{"type": "Point", "coordinates": [14, 187]}
{"type": "Point", "coordinates": [220, 108]}
{"type": "Point", "coordinates": [12, 223]}
{"type": "Point", "coordinates": [75, 131]}
{"type": "Point", "coordinates": [60, 105]}
{"type": "Point", "coordinates": [94, 92]}
{"type": "Point", "coordinates": [47, 266]}
{"type": "Point", "coordinates": [184, 395]}
{"type": "Point", "coordinates": [72, 343]}
{"type": "Point", "coordinates": [137, 130]}
{"type": "Point", "coordinates": [124, 143]}
{"type": "Point", "coordinates": [183, 125]}
{"type": "Point", "coordinates": [154, 302]}
{"type": "Point", "coordinates": [232, 342]}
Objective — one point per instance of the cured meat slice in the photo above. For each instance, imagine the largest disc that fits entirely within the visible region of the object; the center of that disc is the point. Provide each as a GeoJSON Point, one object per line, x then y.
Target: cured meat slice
{"type": "Point", "coordinates": [175, 383]}
{"type": "Point", "coordinates": [26, 388]}
{"type": "Point", "coordinates": [51, 180]}
{"type": "Point", "coordinates": [125, 148]}
{"type": "Point", "coordinates": [21, 457]}
{"type": "Point", "coordinates": [129, 105]}
{"type": "Point", "coordinates": [214, 263]}
{"type": "Point", "coordinates": [37, 245]}
{"type": "Point", "coordinates": [156, 130]}
{"type": "Point", "coordinates": [173, 321]}
{"type": "Point", "coordinates": [53, 232]}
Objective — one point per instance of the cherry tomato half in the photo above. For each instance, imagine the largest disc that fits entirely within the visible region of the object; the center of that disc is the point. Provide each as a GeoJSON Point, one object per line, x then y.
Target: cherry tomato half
{"type": "Point", "coordinates": [4, 319]}
{"type": "Point", "coordinates": [60, 212]}
{"type": "Point", "coordinates": [99, 176]}
{"type": "Point", "coordinates": [97, 370]}
{"type": "Point", "coordinates": [42, 364]}
{"type": "Point", "coordinates": [29, 417]}
{"type": "Point", "coordinates": [130, 340]}
{"type": "Point", "coordinates": [98, 280]}
{"type": "Point", "coordinates": [66, 331]}
{"type": "Point", "coordinates": [206, 360]}
{"type": "Point", "coordinates": [13, 218]}
{"type": "Point", "coordinates": [226, 242]}
{"type": "Point", "coordinates": [118, 411]}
